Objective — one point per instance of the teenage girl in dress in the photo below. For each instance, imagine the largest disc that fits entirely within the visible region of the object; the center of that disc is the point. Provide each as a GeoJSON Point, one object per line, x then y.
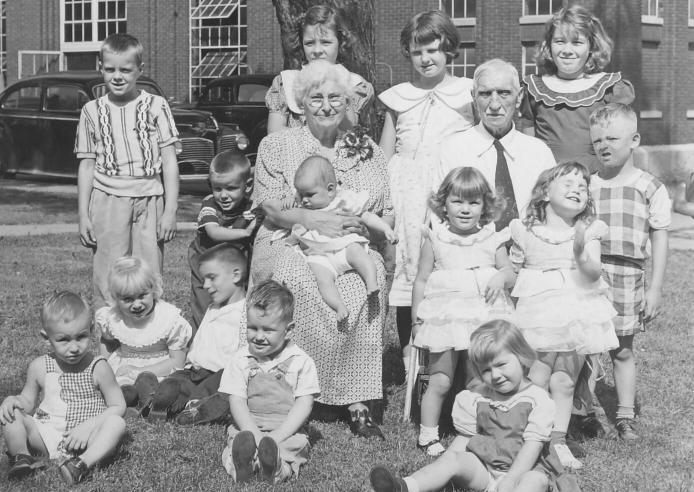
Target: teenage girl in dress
{"type": "Point", "coordinates": [557, 104]}
{"type": "Point", "coordinates": [322, 34]}
{"type": "Point", "coordinates": [462, 281]}
{"type": "Point", "coordinates": [561, 310]}
{"type": "Point", "coordinates": [151, 334]}
{"type": "Point", "coordinates": [420, 114]}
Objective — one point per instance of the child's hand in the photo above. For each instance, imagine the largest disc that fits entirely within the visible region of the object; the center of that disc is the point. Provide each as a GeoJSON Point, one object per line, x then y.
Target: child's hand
{"type": "Point", "coordinates": [77, 439]}
{"type": "Point", "coordinates": [391, 236]}
{"type": "Point", "coordinates": [289, 202]}
{"type": "Point", "coordinates": [251, 226]}
{"type": "Point", "coordinates": [87, 236]}
{"type": "Point", "coordinates": [650, 310]}
{"type": "Point", "coordinates": [579, 237]}
{"type": "Point", "coordinates": [495, 287]}
{"type": "Point", "coordinates": [167, 227]}
{"type": "Point", "coordinates": [7, 409]}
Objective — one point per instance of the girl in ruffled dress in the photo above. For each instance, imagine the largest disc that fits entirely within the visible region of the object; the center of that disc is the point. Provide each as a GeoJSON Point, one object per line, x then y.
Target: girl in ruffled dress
{"type": "Point", "coordinates": [464, 271]}
{"type": "Point", "coordinates": [420, 114]}
{"type": "Point", "coordinates": [561, 307]}
{"type": "Point", "coordinates": [558, 102]}
{"type": "Point", "coordinates": [150, 334]}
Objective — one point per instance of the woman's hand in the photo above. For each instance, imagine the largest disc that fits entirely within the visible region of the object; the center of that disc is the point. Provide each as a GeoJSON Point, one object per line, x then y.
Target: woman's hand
{"type": "Point", "coordinates": [495, 287]}
{"type": "Point", "coordinates": [334, 225]}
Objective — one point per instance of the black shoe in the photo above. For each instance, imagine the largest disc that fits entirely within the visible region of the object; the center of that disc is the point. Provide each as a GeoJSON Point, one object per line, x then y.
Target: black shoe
{"type": "Point", "coordinates": [243, 454]}
{"type": "Point", "coordinates": [626, 428]}
{"type": "Point", "coordinates": [146, 385]}
{"type": "Point", "coordinates": [586, 427]}
{"type": "Point", "coordinates": [363, 425]}
{"type": "Point", "coordinates": [382, 480]}
{"type": "Point", "coordinates": [22, 465]}
{"type": "Point", "coordinates": [208, 410]}
{"type": "Point", "coordinates": [74, 470]}
{"type": "Point", "coordinates": [269, 458]}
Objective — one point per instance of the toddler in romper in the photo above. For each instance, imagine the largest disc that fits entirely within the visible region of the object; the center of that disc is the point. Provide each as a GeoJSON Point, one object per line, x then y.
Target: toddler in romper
{"type": "Point", "coordinates": [144, 337]}
{"type": "Point", "coordinates": [502, 427]}
{"type": "Point", "coordinates": [271, 384]}
{"type": "Point", "coordinates": [79, 418]}
{"type": "Point", "coordinates": [317, 189]}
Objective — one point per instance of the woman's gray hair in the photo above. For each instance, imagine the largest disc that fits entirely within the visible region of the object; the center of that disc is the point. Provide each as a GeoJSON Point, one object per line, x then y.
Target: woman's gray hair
{"type": "Point", "coordinates": [318, 72]}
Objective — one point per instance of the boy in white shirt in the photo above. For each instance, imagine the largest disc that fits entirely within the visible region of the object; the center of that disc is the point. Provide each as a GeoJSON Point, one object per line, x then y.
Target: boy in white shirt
{"type": "Point", "coordinates": [271, 385]}
{"type": "Point", "coordinates": [223, 269]}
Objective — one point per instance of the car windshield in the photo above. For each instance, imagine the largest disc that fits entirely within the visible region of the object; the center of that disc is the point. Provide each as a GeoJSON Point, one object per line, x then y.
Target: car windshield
{"type": "Point", "coordinates": [100, 89]}
{"type": "Point", "coordinates": [224, 94]}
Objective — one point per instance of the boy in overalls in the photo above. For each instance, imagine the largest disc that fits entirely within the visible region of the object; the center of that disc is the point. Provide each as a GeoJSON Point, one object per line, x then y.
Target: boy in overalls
{"type": "Point", "coordinates": [271, 385]}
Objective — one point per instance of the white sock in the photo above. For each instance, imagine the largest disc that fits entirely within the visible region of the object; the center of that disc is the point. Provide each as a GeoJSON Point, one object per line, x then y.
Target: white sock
{"type": "Point", "coordinates": [412, 485]}
{"type": "Point", "coordinates": [428, 434]}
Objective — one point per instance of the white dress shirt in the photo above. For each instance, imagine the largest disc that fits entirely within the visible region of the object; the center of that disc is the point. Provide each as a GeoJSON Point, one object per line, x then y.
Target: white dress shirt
{"type": "Point", "coordinates": [526, 157]}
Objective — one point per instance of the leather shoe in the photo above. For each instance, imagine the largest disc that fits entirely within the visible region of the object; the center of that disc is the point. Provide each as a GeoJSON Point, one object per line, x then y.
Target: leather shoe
{"type": "Point", "coordinates": [361, 424]}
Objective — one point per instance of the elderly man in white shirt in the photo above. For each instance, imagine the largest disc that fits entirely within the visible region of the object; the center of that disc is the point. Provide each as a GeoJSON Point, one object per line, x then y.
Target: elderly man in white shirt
{"type": "Point", "coordinates": [510, 160]}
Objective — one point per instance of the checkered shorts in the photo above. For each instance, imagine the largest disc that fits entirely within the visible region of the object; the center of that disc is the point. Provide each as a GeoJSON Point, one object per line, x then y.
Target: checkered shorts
{"type": "Point", "coordinates": [627, 288]}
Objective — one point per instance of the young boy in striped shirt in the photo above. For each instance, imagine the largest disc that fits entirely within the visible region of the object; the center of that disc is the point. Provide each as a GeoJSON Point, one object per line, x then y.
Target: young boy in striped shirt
{"type": "Point", "coordinates": [128, 175]}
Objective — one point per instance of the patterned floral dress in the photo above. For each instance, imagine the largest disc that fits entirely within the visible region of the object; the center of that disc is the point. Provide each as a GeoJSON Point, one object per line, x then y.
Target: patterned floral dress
{"type": "Point", "coordinates": [348, 362]}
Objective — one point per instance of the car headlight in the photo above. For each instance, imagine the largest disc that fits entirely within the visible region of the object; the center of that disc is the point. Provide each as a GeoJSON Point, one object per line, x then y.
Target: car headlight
{"type": "Point", "coordinates": [242, 142]}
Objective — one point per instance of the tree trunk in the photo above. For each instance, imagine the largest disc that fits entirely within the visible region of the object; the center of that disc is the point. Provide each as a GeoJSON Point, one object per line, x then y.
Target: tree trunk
{"type": "Point", "coordinates": [359, 15]}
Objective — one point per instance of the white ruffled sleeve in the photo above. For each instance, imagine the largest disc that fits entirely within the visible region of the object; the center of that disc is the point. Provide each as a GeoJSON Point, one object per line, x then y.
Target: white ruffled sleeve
{"type": "Point", "coordinates": [180, 334]}
{"type": "Point", "coordinates": [464, 413]}
{"type": "Point", "coordinates": [517, 233]}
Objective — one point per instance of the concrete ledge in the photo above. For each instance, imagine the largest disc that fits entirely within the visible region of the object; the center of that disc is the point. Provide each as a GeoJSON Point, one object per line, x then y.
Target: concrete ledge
{"type": "Point", "coordinates": [42, 229]}
{"type": "Point", "coordinates": [669, 163]}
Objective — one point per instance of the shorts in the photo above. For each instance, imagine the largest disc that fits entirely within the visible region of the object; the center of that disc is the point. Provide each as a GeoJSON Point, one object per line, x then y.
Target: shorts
{"type": "Point", "coordinates": [52, 434]}
{"type": "Point", "coordinates": [627, 290]}
{"type": "Point", "coordinates": [336, 262]}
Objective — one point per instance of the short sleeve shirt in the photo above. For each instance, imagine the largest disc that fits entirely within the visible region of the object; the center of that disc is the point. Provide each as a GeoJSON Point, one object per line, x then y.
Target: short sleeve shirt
{"type": "Point", "coordinates": [301, 375]}
{"type": "Point", "coordinates": [217, 338]}
{"type": "Point", "coordinates": [212, 213]}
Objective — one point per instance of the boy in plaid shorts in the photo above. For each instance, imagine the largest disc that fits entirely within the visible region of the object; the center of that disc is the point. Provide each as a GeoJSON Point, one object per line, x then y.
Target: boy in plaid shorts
{"type": "Point", "coordinates": [127, 182]}
{"type": "Point", "coordinates": [636, 207]}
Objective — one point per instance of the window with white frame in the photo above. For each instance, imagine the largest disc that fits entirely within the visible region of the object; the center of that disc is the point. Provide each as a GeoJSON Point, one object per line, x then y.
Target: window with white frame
{"type": "Point", "coordinates": [540, 7]}
{"type": "Point", "coordinates": [218, 41]}
{"type": "Point", "coordinates": [691, 13]}
{"type": "Point", "coordinates": [86, 23]}
{"type": "Point", "coordinates": [653, 8]}
{"type": "Point", "coordinates": [528, 54]}
{"type": "Point", "coordinates": [464, 65]}
{"type": "Point", "coordinates": [3, 45]}
{"type": "Point", "coordinates": [459, 9]}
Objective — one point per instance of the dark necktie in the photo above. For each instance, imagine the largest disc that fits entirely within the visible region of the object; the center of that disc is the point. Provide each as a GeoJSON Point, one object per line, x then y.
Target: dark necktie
{"type": "Point", "coordinates": [504, 187]}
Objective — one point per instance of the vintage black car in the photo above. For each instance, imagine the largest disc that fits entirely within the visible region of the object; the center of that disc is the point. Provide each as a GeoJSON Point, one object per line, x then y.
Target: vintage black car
{"type": "Point", "coordinates": [239, 100]}
{"type": "Point", "coordinates": [39, 116]}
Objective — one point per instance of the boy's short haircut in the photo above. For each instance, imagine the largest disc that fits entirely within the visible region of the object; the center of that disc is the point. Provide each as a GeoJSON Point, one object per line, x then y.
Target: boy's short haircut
{"type": "Point", "coordinates": [121, 42]}
{"type": "Point", "coordinates": [319, 167]}
{"type": "Point", "coordinates": [226, 253]}
{"type": "Point", "coordinates": [270, 295]}
{"type": "Point", "coordinates": [605, 114]}
{"type": "Point", "coordinates": [231, 161]}
{"type": "Point", "coordinates": [63, 306]}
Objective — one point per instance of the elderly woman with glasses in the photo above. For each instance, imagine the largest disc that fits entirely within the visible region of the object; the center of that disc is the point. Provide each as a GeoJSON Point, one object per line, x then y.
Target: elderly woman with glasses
{"type": "Point", "coordinates": [348, 356]}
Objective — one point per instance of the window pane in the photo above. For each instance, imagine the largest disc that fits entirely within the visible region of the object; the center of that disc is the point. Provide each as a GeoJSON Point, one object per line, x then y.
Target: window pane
{"type": "Point", "coordinates": [68, 12]}
{"type": "Point", "coordinates": [24, 98]}
{"type": "Point", "coordinates": [87, 11]}
{"type": "Point", "coordinates": [252, 93]}
{"type": "Point", "coordinates": [65, 98]}
{"type": "Point", "coordinates": [78, 12]}
{"type": "Point", "coordinates": [111, 10]}
{"type": "Point", "coordinates": [121, 10]}
{"type": "Point", "coordinates": [68, 33]}
{"type": "Point", "coordinates": [78, 32]}
{"type": "Point", "coordinates": [544, 7]}
{"type": "Point", "coordinates": [88, 32]}
{"type": "Point", "coordinates": [101, 31]}
{"type": "Point", "coordinates": [102, 10]}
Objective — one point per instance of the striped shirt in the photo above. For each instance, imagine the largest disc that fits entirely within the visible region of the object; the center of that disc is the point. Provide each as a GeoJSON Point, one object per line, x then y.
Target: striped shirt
{"type": "Point", "coordinates": [126, 141]}
{"type": "Point", "coordinates": [631, 208]}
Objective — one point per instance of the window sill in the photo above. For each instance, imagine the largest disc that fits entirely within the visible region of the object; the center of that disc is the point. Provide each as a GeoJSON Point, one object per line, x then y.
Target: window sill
{"type": "Point", "coordinates": [690, 114]}
{"type": "Point", "coordinates": [651, 20]}
{"type": "Point", "coordinates": [465, 21]}
{"type": "Point", "coordinates": [534, 19]}
{"type": "Point", "coordinates": [651, 114]}
{"type": "Point", "coordinates": [691, 23]}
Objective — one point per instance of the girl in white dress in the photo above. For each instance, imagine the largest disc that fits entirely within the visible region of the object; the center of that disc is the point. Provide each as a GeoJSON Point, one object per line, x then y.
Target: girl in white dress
{"type": "Point", "coordinates": [420, 114]}
{"type": "Point", "coordinates": [151, 334]}
{"type": "Point", "coordinates": [464, 271]}
{"type": "Point", "coordinates": [562, 310]}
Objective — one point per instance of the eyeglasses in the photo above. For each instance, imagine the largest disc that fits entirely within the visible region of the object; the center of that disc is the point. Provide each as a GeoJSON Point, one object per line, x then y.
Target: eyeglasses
{"type": "Point", "coordinates": [335, 101]}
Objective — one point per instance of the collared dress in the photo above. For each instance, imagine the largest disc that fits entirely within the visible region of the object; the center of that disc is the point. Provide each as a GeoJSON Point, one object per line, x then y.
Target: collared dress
{"type": "Point", "coordinates": [454, 305]}
{"type": "Point", "coordinates": [349, 362]}
{"type": "Point", "coordinates": [280, 97]}
{"type": "Point", "coordinates": [424, 118]}
{"type": "Point", "coordinates": [559, 309]}
{"type": "Point", "coordinates": [562, 119]}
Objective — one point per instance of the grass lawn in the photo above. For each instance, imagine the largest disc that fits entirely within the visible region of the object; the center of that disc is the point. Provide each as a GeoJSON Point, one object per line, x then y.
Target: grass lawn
{"type": "Point", "coordinates": [161, 456]}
